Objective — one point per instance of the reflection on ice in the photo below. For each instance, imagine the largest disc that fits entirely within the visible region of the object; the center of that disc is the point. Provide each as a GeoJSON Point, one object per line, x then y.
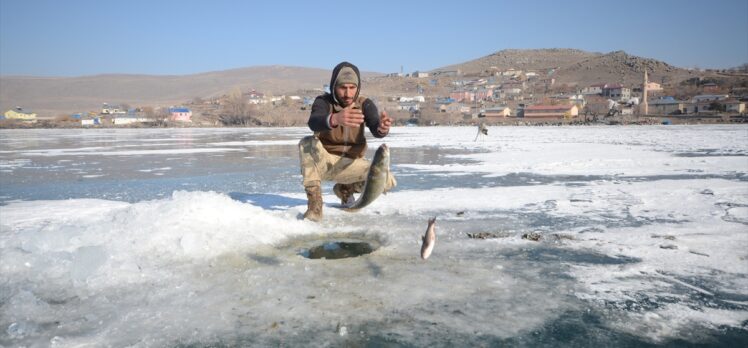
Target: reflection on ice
{"type": "Point", "coordinates": [562, 236]}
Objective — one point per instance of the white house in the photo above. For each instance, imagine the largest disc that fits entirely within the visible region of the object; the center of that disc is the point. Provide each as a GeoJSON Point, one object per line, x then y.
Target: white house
{"type": "Point", "coordinates": [107, 109]}
{"type": "Point", "coordinates": [408, 106]}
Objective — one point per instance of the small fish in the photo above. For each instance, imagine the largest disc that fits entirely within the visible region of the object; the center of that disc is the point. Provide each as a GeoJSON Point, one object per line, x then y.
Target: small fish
{"type": "Point", "coordinates": [429, 239]}
{"type": "Point", "coordinates": [375, 180]}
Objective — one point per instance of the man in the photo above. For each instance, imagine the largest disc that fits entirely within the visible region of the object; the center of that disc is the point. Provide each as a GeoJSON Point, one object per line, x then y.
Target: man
{"type": "Point", "coordinates": [335, 151]}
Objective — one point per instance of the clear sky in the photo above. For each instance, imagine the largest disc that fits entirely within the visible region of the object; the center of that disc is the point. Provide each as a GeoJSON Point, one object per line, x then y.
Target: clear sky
{"type": "Point", "coordinates": [77, 37]}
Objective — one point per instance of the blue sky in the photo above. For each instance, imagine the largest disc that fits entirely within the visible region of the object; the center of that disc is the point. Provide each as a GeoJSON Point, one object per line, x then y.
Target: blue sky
{"type": "Point", "coordinates": [76, 37]}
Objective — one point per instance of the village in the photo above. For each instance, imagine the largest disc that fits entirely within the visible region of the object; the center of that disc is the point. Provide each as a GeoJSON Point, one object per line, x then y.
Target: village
{"type": "Point", "coordinates": [441, 97]}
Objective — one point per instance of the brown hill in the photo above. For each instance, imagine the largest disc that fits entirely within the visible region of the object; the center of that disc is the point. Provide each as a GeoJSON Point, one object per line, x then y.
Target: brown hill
{"type": "Point", "coordinates": [620, 67]}
{"type": "Point", "coordinates": [539, 60]}
{"type": "Point", "coordinates": [50, 96]}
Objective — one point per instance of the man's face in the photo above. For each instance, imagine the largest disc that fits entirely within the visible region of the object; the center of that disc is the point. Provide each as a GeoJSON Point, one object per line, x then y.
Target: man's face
{"type": "Point", "coordinates": [345, 93]}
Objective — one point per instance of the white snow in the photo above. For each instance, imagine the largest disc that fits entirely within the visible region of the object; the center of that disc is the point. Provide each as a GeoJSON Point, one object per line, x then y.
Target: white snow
{"type": "Point", "coordinates": [655, 241]}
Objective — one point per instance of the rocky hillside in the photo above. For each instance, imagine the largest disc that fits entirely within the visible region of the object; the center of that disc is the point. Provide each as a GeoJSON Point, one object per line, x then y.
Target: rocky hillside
{"type": "Point", "coordinates": [620, 67]}
{"type": "Point", "coordinates": [539, 60]}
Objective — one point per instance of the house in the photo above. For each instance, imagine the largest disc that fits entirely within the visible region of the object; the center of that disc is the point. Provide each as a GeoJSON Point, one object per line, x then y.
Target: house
{"type": "Point", "coordinates": [94, 121]}
{"type": "Point", "coordinates": [454, 108]}
{"type": "Point", "coordinates": [617, 92]}
{"type": "Point", "coordinates": [594, 89]}
{"type": "Point", "coordinates": [419, 74]}
{"type": "Point", "coordinates": [667, 106]}
{"type": "Point", "coordinates": [710, 87]}
{"type": "Point", "coordinates": [577, 99]}
{"type": "Point", "coordinates": [512, 88]}
{"type": "Point", "coordinates": [418, 98]}
{"type": "Point", "coordinates": [107, 109]}
{"type": "Point", "coordinates": [512, 73]}
{"type": "Point", "coordinates": [483, 93]}
{"type": "Point", "coordinates": [734, 106]}
{"type": "Point", "coordinates": [20, 114]}
{"type": "Point", "coordinates": [462, 95]}
{"type": "Point", "coordinates": [705, 98]}
{"type": "Point", "coordinates": [408, 106]}
{"type": "Point", "coordinates": [653, 87]}
{"type": "Point", "coordinates": [129, 118]}
{"type": "Point", "coordinates": [254, 97]}
{"type": "Point", "coordinates": [497, 111]}
{"type": "Point", "coordinates": [551, 111]}
{"type": "Point", "coordinates": [180, 115]}
{"type": "Point", "coordinates": [478, 82]}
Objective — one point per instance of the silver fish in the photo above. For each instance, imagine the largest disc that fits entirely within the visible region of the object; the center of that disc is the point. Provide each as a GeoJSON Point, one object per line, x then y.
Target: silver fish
{"type": "Point", "coordinates": [429, 239]}
{"type": "Point", "coordinates": [375, 180]}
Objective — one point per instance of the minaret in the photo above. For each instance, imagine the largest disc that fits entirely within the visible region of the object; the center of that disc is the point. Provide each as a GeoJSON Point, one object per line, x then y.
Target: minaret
{"type": "Point", "coordinates": [645, 106]}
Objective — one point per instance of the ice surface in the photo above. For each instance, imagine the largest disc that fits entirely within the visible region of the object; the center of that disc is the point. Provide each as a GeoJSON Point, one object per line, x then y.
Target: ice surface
{"type": "Point", "coordinates": [643, 240]}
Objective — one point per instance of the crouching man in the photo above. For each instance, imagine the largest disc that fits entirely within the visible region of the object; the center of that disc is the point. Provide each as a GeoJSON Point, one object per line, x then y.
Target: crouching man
{"type": "Point", "coordinates": [335, 151]}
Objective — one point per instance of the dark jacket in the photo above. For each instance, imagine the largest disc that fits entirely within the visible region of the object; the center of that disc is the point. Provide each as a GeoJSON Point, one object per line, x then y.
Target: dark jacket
{"type": "Point", "coordinates": [343, 141]}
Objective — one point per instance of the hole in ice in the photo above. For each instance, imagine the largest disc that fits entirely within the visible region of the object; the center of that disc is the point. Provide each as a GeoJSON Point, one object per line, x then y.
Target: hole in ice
{"type": "Point", "coordinates": [337, 250]}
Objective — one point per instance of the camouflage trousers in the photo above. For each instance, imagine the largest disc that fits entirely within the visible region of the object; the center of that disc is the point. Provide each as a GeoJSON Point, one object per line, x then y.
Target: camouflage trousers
{"type": "Point", "coordinates": [318, 165]}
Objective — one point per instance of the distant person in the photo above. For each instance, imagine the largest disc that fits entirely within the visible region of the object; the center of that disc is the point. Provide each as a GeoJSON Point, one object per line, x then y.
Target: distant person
{"type": "Point", "coordinates": [482, 131]}
{"type": "Point", "coordinates": [335, 151]}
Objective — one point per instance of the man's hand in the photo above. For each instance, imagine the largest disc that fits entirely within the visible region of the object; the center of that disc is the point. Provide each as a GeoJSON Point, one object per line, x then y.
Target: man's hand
{"type": "Point", "coordinates": [348, 117]}
{"type": "Point", "coordinates": [385, 122]}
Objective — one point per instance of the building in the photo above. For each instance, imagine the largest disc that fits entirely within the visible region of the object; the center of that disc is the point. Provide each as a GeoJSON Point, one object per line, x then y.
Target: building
{"type": "Point", "coordinates": [512, 88]}
{"type": "Point", "coordinates": [180, 115]}
{"type": "Point", "coordinates": [551, 111]}
{"type": "Point", "coordinates": [408, 106]}
{"type": "Point", "coordinates": [20, 114]}
{"type": "Point", "coordinates": [706, 98]}
{"type": "Point", "coordinates": [594, 89]}
{"type": "Point", "coordinates": [107, 109]}
{"type": "Point", "coordinates": [734, 106]}
{"type": "Point", "coordinates": [454, 108]}
{"type": "Point", "coordinates": [129, 119]}
{"type": "Point", "coordinates": [497, 111]}
{"type": "Point", "coordinates": [667, 106]}
{"type": "Point", "coordinates": [419, 74]}
{"type": "Point", "coordinates": [94, 121]}
{"type": "Point", "coordinates": [461, 95]}
{"type": "Point", "coordinates": [483, 93]}
{"type": "Point", "coordinates": [653, 87]}
{"type": "Point", "coordinates": [418, 98]}
{"type": "Point", "coordinates": [254, 97]}
{"type": "Point", "coordinates": [617, 92]}
{"type": "Point", "coordinates": [710, 87]}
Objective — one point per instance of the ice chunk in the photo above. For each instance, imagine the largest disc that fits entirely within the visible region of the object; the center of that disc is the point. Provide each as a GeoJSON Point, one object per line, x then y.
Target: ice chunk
{"type": "Point", "coordinates": [86, 261]}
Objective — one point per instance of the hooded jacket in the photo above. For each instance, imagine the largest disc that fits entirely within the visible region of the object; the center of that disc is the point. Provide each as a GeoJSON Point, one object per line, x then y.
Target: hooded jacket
{"type": "Point", "coordinates": [340, 140]}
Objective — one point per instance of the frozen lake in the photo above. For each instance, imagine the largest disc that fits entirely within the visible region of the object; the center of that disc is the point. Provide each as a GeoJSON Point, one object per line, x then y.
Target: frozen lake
{"type": "Point", "coordinates": [591, 236]}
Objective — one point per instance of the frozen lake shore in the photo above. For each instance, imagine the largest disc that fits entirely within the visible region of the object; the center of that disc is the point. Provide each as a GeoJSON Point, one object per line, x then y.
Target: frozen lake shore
{"type": "Point", "coordinates": [595, 236]}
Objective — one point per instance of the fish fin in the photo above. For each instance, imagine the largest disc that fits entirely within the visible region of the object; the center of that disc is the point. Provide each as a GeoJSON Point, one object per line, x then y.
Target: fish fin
{"type": "Point", "coordinates": [432, 220]}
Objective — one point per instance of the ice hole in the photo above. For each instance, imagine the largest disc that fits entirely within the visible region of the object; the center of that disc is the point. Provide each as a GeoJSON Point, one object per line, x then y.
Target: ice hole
{"type": "Point", "coordinates": [337, 250]}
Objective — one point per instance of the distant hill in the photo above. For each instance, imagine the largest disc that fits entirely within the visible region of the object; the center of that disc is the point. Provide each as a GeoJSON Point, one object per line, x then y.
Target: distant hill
{"type": "Point", "coordinates": [538, 60]}
{"type": "Point", "coordinates": [620, 67]}
{"type": "Point", "coordinates": [49, 96]}
{"type": "Point", "coordinates": [577, 67]}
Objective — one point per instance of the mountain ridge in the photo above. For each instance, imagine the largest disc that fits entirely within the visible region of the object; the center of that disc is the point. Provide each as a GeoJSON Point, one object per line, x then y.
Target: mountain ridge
{"type": "Point", "coordinates": [50, 96]}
